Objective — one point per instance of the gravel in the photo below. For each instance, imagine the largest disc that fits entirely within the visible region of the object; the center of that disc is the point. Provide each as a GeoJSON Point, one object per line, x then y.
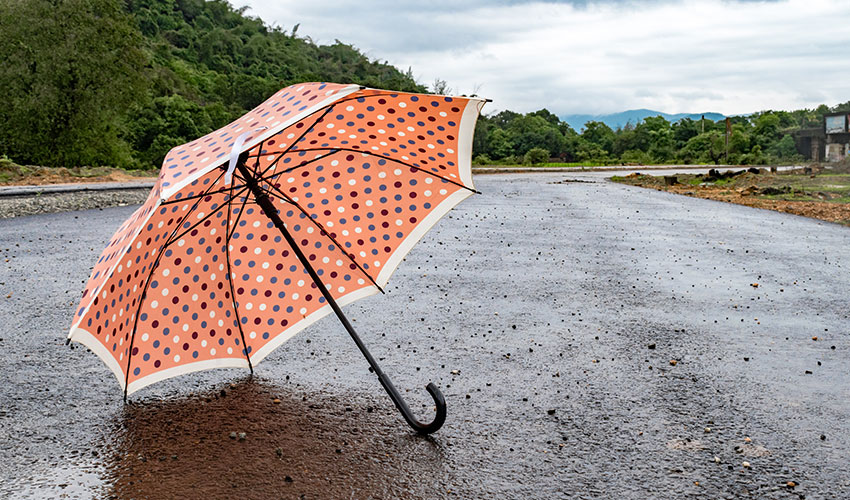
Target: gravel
{"type": "Point", "coordinates": [51, 202]}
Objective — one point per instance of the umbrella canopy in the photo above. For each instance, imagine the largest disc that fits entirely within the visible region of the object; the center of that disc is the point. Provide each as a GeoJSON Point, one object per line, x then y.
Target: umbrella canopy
{"type": "Point", "coordinates": [331, 187]}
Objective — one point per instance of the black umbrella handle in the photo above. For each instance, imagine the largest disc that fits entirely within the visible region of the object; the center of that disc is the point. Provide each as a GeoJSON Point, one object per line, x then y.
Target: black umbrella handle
{"type": "Point", "coordinates": [271, 212]}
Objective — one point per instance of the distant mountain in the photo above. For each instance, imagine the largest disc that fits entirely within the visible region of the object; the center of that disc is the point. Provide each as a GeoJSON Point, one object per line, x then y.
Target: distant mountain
{"type": "Point", "coordinates": [635, 116]}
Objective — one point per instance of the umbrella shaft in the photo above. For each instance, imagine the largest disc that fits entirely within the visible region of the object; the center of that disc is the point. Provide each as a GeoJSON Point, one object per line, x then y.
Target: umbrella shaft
{"type": "Point", "coordinates": [271, 212]}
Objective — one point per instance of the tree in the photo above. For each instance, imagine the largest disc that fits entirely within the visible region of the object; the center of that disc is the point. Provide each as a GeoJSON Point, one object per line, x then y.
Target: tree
{"type": "Point", "coordinates": [70, 71]}
{"type": "Point", "coordinates": [599, 134]}
{"type": "Point", "coordinates": [533, 131]}
{"type": "Point", "coordinates": [704, 148]}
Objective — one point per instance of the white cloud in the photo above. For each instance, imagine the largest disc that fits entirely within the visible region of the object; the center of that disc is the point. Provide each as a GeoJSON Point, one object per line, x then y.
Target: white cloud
{"type": "Point", "coordinates": [595, 57]}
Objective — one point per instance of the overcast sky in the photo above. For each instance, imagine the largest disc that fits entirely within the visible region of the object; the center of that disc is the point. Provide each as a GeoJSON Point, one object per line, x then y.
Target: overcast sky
{"type": "Point", "coordinates": [726, 56]}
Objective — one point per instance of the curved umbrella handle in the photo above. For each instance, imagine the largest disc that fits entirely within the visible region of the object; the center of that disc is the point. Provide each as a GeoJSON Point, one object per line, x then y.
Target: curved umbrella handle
{"type": "Point", "coordinates": [400, 403]}
{"type": "Point", "coordinates": [271, 212]}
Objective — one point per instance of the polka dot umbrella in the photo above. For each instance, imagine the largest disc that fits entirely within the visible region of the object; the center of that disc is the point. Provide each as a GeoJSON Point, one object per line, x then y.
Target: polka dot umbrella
{"type": "Point", "coordinates": [257, 230]}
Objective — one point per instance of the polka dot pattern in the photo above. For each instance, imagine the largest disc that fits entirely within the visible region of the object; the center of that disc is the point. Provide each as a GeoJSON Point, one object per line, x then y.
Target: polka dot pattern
{"type": "Point", "coordinates": [203, 278]}
{"type": "Point", "coordinates": [183, 162]}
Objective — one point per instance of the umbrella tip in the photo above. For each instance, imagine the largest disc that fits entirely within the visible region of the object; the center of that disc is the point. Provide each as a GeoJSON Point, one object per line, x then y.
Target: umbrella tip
{"type": "Point", "coordinates": [488, 100]}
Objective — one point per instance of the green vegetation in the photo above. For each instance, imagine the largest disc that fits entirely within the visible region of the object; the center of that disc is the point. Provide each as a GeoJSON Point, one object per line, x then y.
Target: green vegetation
{"type": "Point", "coordinates": [759, 139]}
{"type": "Point", "coordinates": [120, 82]}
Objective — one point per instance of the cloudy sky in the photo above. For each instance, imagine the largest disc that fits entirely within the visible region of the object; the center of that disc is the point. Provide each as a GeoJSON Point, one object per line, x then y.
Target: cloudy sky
{"type": "Point", "coordinates": [599, 56]}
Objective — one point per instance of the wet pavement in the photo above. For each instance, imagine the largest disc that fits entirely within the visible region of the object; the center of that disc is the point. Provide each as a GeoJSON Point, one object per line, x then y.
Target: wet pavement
{"type": "Point", "coordinates": [593, 340]}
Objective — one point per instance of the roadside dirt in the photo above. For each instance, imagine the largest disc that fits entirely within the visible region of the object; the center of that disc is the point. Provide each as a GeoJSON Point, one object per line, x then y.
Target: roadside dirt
{"type": "Point", "coordinates": [17, 175]}
{"type": "Point", "coordinates": [817, 193]}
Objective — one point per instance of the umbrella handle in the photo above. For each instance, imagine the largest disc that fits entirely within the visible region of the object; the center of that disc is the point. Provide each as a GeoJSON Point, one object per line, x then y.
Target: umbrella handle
{"type": "Point", "coordinates": [271, 212]}
{"type": "Point", "coordinates": [418, 426]}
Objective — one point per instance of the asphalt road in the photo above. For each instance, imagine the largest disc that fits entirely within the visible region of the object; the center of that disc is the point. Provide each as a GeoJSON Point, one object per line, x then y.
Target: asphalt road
{"type": "Point", "coordinates": [593, 340]}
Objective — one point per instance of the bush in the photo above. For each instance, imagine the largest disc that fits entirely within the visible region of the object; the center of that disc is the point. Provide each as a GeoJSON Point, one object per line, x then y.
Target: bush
{"type": "Point", "coordinates": [536, 156]}
{"type": "Point", "coordinates": [482, 159]}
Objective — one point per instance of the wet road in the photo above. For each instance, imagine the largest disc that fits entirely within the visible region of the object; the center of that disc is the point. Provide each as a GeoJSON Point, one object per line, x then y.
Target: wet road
{"type": "Point", "coordinates": [593, 340]}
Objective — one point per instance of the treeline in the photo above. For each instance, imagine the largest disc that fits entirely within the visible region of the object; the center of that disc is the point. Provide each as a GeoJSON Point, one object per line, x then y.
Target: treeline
{"type": "Point", "coordinates": [762, 138]}
{"type": "Point", "coordinates": [112, 82]}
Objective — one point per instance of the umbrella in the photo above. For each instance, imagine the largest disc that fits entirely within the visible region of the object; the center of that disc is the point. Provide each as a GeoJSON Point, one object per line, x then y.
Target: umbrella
{"type": "Point", "coordinates": [257, 230]}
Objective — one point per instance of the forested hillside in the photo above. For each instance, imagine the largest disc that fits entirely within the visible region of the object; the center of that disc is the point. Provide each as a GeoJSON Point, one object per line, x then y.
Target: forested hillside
{"type": "Point", "coordinates": [111, 82]}
{"type": "Point", "coordinates": [757, 139]}
{"type": "Point", "coordinates": [120, 82]}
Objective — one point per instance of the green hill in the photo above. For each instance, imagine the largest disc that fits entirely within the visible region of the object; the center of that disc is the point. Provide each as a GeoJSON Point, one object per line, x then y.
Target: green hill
{"type": "Point", "coordinates": [106, 82]}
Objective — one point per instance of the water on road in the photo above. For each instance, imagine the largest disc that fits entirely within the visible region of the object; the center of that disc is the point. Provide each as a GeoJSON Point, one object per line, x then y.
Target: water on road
{"type": "Point", "coordinates": [593, 340]}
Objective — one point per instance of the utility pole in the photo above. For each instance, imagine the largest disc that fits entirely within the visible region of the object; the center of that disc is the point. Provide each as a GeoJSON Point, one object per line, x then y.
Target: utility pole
{"type": "Point", "coordinates": [702, 124]}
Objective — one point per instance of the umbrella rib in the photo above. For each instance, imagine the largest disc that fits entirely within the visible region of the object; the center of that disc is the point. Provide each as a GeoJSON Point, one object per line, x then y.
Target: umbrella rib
{"type": "Point", "coordinates": [326, 111]}
{"type": "Point", "coordinates": [230, 282]}
{"type": "Point", "coordinates": [229, 233]}
{"type": "Point", "coordinates": [290, 169]}
{"type": "Point", "coordinates": [202, 220]}
{"type": "Point", "coordinates": [414, 167]}
{"type": "Point", "coordinates": [328, 234]}
{"type": "Point", "coordinates": [144, 294]}
{"type": "Point", "coordinates": [289, 148]}
{"type": "Point", "coordinates": [203, 195]}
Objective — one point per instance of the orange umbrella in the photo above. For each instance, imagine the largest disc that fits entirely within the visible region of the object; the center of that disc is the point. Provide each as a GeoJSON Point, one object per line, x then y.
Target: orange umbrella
{"type": "Point", "coordinates": [257, 230]}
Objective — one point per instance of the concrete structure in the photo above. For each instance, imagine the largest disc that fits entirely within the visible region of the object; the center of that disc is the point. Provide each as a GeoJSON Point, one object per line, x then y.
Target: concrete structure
{"type": "Point", "coordinates": [837, 133]}
{"type": "Point", "coordinates": [829, 142]}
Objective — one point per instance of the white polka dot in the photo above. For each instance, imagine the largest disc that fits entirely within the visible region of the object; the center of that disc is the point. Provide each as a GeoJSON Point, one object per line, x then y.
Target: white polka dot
{"type": "Point", "coordinates": [300, 282]}
{"type": "Point", "coordinates": [166, 272]}
{"type": "Point", "coordinates": [341, 289]}
{"type": "Point", "coordinates": [427, 193]}
{"type": "Point", "coordinates": [381, 175]}
{"type": "Point", "coordinates": [260, 278]}
{"type": "Point", "coordinates": [443, 191]}
{"type": "Point", "coordinates": [212, 351]}
{"type": "Point", "coordinates": [262, 307]}
{"type": "Point", "coordinates": [194, 297]}
{"type": "Point", "coordinates": [175, 339]}
{"type": "Point", "coordinates": [252, 335]}
{"type": "Point", "coordinates": [402, 104]}
{"type": "Point", "coordinates": [377, 263]}
{"type": "Point", "coordinates": [185, 327]}
{"type": "Point", "coordinates": [144, 337]}
{"type": "Point", "coordinates": [165, 292]}
{"type": "Point", "coordinates": [428, 180]}
{"type": "Point", "coordinates": [154, 304]}
{"type": "Point", "coordinates": [397, 171]}
{"type": "Point", "coordinates": [303, 311]}
{"type": "Point", "coordinates": [229, 350]}
{"type": "Point", "coordinates": [398, 222]}
{"type": "Point", "coordinates": [181, 242]}
{"type": "Point", "coordinates": [352, 182]}
{"type": "Point", "coordinates": [203, 343]}
{"type": "Point", "coordinates": [349, 108]}
{"type": "Point", "coordinates": [176, 358]}
{"type": "Point", "coordinates": [249, 306]}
